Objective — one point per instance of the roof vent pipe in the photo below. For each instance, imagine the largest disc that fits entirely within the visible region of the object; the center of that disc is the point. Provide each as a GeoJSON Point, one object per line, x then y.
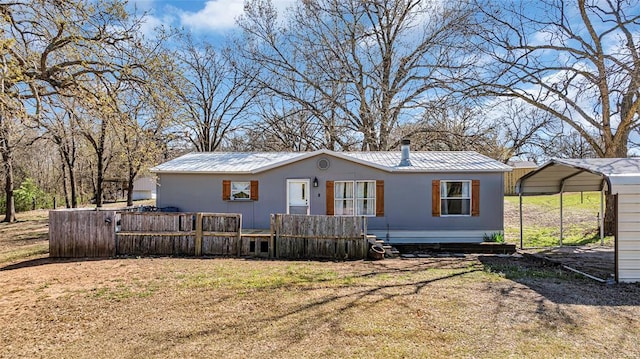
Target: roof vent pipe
{"type": "Point", "coordinates": [404, 149]}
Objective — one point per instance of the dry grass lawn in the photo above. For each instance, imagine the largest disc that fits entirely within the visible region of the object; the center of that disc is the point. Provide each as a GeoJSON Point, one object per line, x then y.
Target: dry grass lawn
{"type": "Point", "coordinates": [477, 306]}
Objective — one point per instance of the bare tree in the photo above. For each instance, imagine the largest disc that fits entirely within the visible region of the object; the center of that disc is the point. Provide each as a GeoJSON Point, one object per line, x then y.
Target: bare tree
{"type": "Point", "coordinates": [50, 47]}
{"type": "Point", "coordinates": [525, 130]}
{"type": "Point", "coordinates": [212, 91]}
{"type": "Point", "coordinates": [140, 114]}
{"type": "Point", "coordinates": [571, 145]}
{"type": "Point", "coordinates": [452, 127]}
{"type": "Point", "coordinates": [373, 63]}
{"type": "Point", "coordinates": [59, 127]}
{"type": "Point", "coordinates": [576, 60]}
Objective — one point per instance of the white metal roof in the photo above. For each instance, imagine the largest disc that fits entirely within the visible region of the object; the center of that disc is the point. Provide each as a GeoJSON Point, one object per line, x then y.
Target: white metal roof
{"type": "Point", "coordinates": [255, 162]}
{"type": "Point", "coordinates": [449, 161]}
{"type": "Point", "coordinates": [522, 164]}
{"type": "Point", "coordinates": [573, 175]}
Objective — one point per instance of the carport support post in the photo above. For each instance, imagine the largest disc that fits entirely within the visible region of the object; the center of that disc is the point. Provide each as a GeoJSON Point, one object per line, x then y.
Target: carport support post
{"type": "Point", "coordinates": [602, 217]}
{"type": "Point", "coordinates": [561, 218]}
{"type": "Point", "coordinates": [521, 233]}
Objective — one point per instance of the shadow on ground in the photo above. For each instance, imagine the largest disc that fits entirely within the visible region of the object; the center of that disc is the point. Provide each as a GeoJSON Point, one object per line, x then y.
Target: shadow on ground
{"type": "Point", "coordinates": [45, 261]}
{"type": "Point", "coordinates": [559, 285]}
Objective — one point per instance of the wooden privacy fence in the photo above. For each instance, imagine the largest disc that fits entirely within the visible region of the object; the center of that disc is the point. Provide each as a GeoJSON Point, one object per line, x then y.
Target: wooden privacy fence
{"type": "Point", "coordinates": [106, 233]}
{"type": "Point", "coordinates": [192, 234]}
{"type": "Point", "coordinates": [82, 233]}
{"type": "Point", "coordinates": [322, 237]}
{"type": "Point", "coordinates": [510, 178]}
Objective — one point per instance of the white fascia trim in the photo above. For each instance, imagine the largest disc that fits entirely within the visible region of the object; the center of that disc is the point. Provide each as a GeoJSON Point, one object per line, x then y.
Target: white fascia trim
{"type": "Point", "coordinates": [202, 172]}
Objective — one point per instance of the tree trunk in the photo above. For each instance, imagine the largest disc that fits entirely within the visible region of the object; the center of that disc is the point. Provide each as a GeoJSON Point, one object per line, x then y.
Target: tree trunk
{"type": "Point", "coordinates": [132, 177]}
{"type": "Point", "coordinates": [73, 187]}
{"type": "Point", "coordinates": [67, 202]}
{"type": "Point", "coordinates": [99, 181]}
{"type": "Point", "coordinates": [10, 210]}
{"type": "Point", "coordinates": [617, 150]}
{"type": "Point", "coordinates": [610, 215]}
{"type": "Point", "coordinates": [130, 192]}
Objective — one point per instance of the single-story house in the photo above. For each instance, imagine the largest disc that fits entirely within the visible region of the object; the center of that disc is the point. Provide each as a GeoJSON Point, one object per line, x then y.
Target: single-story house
{"type": "Point", "coordinates": [417, 197]}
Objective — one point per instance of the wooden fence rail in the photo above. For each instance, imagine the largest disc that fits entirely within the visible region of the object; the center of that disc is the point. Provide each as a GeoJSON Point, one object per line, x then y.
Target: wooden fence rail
{"type": "Point", "coordinates": [166, 233]}
{"type": "Point", "coordinates": [91, 233]}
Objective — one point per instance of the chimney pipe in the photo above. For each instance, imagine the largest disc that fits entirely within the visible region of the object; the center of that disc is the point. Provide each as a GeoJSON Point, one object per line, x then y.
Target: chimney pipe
{"type": "Point", "coordinates": [404, 148]}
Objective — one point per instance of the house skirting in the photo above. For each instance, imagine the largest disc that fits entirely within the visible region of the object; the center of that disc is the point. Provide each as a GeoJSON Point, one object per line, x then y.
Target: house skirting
{"type": "Point", "coordinates": [429, 236]}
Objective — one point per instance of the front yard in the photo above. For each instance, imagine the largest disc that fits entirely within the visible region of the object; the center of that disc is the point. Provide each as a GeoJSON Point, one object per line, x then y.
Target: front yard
{"type": "Point", "coordinates": [478, 306]}
{"type": "Point", "coordinates": [475, 306]}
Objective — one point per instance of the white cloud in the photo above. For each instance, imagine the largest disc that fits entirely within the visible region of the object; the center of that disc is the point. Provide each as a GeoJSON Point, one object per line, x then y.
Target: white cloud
{"type": "Point", "coordinates": [221, 15]}
{"type": "Point", "coordinates": [217, 15]}
{"type": "Point", "coordinates": [149, 24]}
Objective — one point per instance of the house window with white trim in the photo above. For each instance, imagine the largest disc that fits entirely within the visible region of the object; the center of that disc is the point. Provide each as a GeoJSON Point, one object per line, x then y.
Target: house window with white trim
{"type": "Point", "coordinates": [354, 198]}
{"type": "Point", "coordinates": [455, 198]}
{"type": "Point", "coordinates": [240, 190]}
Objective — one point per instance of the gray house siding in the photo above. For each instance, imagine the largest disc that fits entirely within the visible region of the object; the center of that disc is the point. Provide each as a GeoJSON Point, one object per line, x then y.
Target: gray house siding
{"type": "Point", "coordinates": [407, 199]}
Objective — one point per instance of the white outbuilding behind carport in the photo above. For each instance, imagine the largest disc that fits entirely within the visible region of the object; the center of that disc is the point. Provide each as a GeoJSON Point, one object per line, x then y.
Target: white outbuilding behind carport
{"type": "Point", "coordinates": [615, 176]}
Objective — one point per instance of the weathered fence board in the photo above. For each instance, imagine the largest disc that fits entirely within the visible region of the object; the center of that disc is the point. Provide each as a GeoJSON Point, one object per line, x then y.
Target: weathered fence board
{"type": "Point", "coordinates": [81, 233]}
{"type": "Point", "coordinates": [221, 234]}
{"type": "Point", "coordinates": [323, 237]}
{"type": "Point", "coordinates": [511, 178]}
{"type": "Point", "coordinates": [90, 233]}
{"type": "Point", "coordinates": [170, 233]}
{"type": "Point", "coordinates": [156, 222]}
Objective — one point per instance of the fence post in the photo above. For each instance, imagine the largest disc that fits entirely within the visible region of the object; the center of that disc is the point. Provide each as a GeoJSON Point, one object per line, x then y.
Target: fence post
{"type": "Point", "coordinates": [198, 239]}
{"type": "Point", "coordinates": [271, 241]}
{"type": "Point", "coordinates": [365, 248]}
{"type": "Point", "coordinates": [239, 235]}
{"type": "Point", "coordinates": [276, 235]}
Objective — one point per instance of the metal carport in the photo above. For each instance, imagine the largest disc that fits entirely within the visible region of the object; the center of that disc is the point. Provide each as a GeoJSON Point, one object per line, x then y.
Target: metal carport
{"type": "Point", "coordinates": [616, 176]}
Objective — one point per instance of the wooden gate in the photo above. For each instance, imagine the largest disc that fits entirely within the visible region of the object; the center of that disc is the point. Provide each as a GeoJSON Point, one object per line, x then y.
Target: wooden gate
{"type": "Point", "coordinates": [82, 233]}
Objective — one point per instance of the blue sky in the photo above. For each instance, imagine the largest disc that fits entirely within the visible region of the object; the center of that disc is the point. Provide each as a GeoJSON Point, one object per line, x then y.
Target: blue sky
{"type": "Point", "coordinates": [208, 18]}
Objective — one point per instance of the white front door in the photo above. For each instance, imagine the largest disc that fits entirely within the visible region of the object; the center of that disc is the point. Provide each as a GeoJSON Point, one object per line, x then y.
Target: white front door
{"type": "Point", "coordinates": [298, 196]}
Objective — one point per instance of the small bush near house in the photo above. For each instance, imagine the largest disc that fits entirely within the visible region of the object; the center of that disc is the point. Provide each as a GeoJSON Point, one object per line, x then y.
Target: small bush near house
{"type": "Point", "coordinates": [496, 237]}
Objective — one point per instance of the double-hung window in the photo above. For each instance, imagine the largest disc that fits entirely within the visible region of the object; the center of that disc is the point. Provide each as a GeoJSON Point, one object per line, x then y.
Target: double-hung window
{"type": "Point", "coordinates": [240, 190]}
{"type": "Point", "coordinates": [455, 198]}
{"type": "Point", "coordinates": [354, 198]}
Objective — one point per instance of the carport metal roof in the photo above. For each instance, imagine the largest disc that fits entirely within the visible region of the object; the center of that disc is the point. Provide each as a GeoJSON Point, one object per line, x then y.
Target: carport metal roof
{"type": "Point", "coordinates": [576, 175]}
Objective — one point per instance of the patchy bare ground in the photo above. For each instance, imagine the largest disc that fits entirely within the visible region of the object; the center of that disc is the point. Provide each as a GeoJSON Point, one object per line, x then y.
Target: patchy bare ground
{"type": "Point", "coordinates": [546, 217]}
{"type": "Point", "coordinates": [592, 258]}
{"type": "Point", "coordinates": [477, 306]}
{"type": "Point", "coordinates": [26, 237]}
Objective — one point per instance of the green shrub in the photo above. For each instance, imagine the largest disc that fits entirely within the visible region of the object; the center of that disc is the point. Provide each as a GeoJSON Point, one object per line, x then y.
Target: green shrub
{"type": "Point", "coordinates": [25, 195]}
{"type": "Point", "coordinates": [496, 237]}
